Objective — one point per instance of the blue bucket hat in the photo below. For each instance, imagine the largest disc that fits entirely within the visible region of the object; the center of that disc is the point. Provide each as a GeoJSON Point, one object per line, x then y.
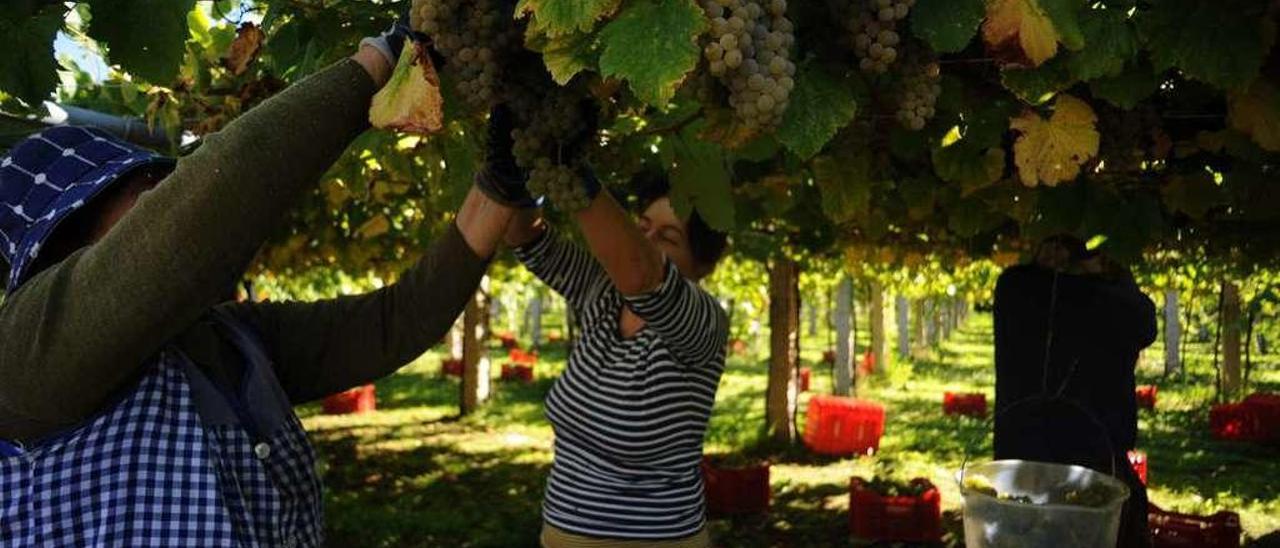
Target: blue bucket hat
{"type": "Point", "coordinates": [51, 174]}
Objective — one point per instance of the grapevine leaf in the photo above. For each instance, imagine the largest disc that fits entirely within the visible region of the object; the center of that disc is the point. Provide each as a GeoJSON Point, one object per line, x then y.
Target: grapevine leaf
{"type": "Point", "coordinates": [845, 184]}
{"type": "Point", "coordinates": [1256, 112]}
{"type": "Point", "coordinates": [567, 55]}
{"type": "Point", "coordinates": [411, 99]}
{"type": "Point", "coordinates": [1039, 84]}
{"type": "Point", "coordinates": [1109, 42]}
{"type": "Point", "coordinates": [374, 227]}
{"type": "Point", "coordinates": [1052, 151]}
{"type": "Point", "coordinates": [28, 70]}
{"type": "Point", "coordinates": [652, 45]}
{"type": "Point", "coordinates": [973, 169]}
{"type": "Point", "coordinates": [1027, 32]}
{"type": "Point", "coordinates": [821, 104]}
{"type": "Point", "coordinates": [946, 25]}
{"type": "Point", "coordinates": [972, 216]}
{"type": "Point", "coordinates": [1194, 194]}
{"type": "Point", "coordinates": [244, 49]}
{"type": "Point", "coordinates": [1220, 42]}
{"type": "Point", "coordinates": [153, 53]}
{"type": "Point", "coordinates": [559, 17]}
{"type": "Point", "coordinates": [700, 179]}
{"type": "Point", "coordinates": [462, 155]}
{"type": "Point", "coordinates": [1126, 89]}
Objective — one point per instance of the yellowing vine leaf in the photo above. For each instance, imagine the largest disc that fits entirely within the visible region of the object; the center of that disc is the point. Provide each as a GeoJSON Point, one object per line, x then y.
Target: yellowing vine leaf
{"type": "Point", "coordinates": [1052, 151]}
{"type": "Point", "coordinates": [1256, 113]}
{"type": "Point", "coordinates": [374, 227]}
{"type": "Point", "coordinates": [1014, 26]}
{"type": "Point", "coordinates": [411, 100]}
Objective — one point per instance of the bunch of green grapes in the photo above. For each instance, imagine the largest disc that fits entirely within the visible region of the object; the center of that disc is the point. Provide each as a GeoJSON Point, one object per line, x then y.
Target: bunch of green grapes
{"type": "Point", "coordinates": [473, 36]}
{"type": "Point", "coordinates": [918, 92]}
{"type": "Point", "coordinates": [873, 31]}
{"type": "Point", "coordinates": [749, 51]}
{"type": "Point", "coordinates": [549, 123]}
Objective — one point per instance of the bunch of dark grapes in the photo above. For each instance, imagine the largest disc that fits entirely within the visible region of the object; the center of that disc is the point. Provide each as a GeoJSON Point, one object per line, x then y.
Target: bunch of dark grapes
{"type": "Point", "coordinates": [918, 91]}
{"type": "Point", "coordinates": [551, 131]}
{"type": "Point", "coordinates": [873, 31]}
{"type": "Point", "coordinates": [473, 36]}
{"type": "Point", "coordinates": [749, 52]}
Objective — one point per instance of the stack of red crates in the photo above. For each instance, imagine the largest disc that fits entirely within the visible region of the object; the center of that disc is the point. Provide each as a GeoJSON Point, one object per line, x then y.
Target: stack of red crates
{"type": "Point", "coordinates": [1138, 460]}
{"type": "Point", "coordinates": [1175, 530]}
{"type": "Point", "coordinates": [1255, 419]}
{"type": "Point", "coordinates": [873, 516]}
{"type": "Point", "coordinates": [805, 376]}
{"type": "Point", "coordinates": [732, 491]}
{"type": "Point", "coordinates": [519, 365]}
{"type": "Point", "coordinates": [361, 399]}
{"type": "Point", "coordinates": [836, 425]}
{"type": "Point", "coordinates": [971, 405]}
{"type": "Point", "coordinates": [1146, 395]}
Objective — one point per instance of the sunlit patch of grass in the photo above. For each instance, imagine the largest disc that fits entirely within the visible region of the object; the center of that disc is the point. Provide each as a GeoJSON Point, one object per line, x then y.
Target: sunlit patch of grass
{"type": "Point", "coordinates": [415, 474]}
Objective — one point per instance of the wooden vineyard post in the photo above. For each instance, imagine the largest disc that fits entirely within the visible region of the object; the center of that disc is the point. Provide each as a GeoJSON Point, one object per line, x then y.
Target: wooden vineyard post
{"type": "Point", "coordinates": [535, 319]}
{"type": "Point", "coordinates": [844, 338]}
{"type": "Point", "coordinates": [904, 326]}
{"type": "Point", "coordinates": [1230, 340]}
{"type": "Point", "coordinates": [1172, 333]}
{"type": "Point", "coordinates": [784, 320]}
{"type": "Point", "coordinates": [475, 361]}
{"type": "Point", "coordinates": [877, 324]}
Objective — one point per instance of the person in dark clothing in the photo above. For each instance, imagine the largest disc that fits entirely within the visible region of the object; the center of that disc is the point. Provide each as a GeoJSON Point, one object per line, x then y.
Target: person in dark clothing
{"type": "Point", "coordinates": [1068, 330]}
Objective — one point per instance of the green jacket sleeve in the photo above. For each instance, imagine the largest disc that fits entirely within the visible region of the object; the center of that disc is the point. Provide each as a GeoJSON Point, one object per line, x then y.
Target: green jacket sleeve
{"type": "Point", "coordinates": [79, 331]}
{"type": "Point", "coordinates": [328, 346]}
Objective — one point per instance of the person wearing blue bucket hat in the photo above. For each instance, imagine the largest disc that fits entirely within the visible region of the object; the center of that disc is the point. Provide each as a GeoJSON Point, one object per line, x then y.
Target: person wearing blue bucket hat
{"type": "Point", "coordinates": [136, 406]}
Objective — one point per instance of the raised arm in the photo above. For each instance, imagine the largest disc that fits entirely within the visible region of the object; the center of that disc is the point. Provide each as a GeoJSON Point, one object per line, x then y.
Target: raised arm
{"type": "Point", "coordinates": [328, 346]}
{"type": "Point", "coordinates": [77, 332]}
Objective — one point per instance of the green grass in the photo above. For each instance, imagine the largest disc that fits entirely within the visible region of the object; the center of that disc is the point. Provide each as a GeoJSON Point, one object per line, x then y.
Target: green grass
{"type": "Point", "coordinates": [414, 474]}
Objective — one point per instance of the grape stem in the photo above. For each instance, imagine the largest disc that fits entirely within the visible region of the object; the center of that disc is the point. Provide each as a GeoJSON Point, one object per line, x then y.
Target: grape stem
{"type": "Point", "coordinates": [672, 128]}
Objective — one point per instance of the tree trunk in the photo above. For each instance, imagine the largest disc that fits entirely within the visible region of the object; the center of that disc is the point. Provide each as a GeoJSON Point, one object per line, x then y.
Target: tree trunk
{"type": "Point", "coordinates": [475, 361]}
{"type": "Point", "coordinates": [904, 326]}
{"type": "Point", "coordinates": [877, 325]}
{"type": "Point", "coordinates": [535, 320]}
{"type": "Point", "coordinates": [930, 320]}
{"type": "Point", "coordinates": [1172, 333]}
{"type": "Point", "coordinates": [946, 309]}
{"type": "Point", "coordinates": [813, 317]}
{"type": "Point", "coordinates": [844, 338]}
{"type": "Point", "coordinates": [784, 320]}
{"type": "Point", "coordinates": [1230, 340]}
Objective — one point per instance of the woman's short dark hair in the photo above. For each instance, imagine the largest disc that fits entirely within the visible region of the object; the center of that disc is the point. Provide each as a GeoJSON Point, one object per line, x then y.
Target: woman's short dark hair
{"type": "Point", "coordinates": [705, 243]}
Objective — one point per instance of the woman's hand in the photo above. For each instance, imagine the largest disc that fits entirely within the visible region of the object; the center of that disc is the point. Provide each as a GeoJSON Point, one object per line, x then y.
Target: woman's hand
{"type": "Point", "coordinates": [501, 179]}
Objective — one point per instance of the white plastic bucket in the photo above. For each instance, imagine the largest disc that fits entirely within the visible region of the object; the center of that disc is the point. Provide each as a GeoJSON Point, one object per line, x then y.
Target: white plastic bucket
{"type": "Point", "coordinates": [992, 522]}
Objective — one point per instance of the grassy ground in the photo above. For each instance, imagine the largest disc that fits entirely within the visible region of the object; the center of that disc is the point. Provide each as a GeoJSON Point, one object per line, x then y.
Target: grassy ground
{"type": "Point", "coordinates": [413, 474]}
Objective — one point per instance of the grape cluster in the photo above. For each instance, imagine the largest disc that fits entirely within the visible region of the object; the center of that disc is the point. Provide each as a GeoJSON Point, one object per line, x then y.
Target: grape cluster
{"type": "Point", "coordinates": [473, 36]}
{"type": "Point", "coordinates": [918, 92]}
{"type": "Point", "coordinates": [749, 52]}
{"type": "Point", "coordinates": [550, 130]}
{"type": "Point", "coordinates": [873, 30]}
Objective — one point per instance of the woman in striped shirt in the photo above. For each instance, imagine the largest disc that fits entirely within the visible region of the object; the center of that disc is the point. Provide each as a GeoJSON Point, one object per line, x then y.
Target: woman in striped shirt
{"type": "Point", "coordinates": [631, 409]}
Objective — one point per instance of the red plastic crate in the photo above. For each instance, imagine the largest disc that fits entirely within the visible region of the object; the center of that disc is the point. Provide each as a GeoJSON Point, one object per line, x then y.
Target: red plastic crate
{"type": "Point", "coordinates": [805, 376]}
{"type": "Point", "coordinates": [836, 425]}
{"type": "Point", "coordinates": [518, 372]}
{"type": "Point", "coordinates": [1138, 460]}
{"type": "Point", "coordinates": [873, 516]}
{"type": "Point", "coordinates": [736, 490]}
{"type": "Point", "coordinates": [451, 367]}
{"type": "Point", "coordinates": [1175, 530]}
{"type": "Point", "coordinates": [508, 341]}
{"type": "Point", "coordinates": [970, 404]}
{"type": "Point", "coordinates": [360, 399]}
{"type": "Point", "coordinates": [1146, 395]}
{"type": "Point", "coordinates": [868, 364]}
{"type": "Point", "coordinates": [521, 357]}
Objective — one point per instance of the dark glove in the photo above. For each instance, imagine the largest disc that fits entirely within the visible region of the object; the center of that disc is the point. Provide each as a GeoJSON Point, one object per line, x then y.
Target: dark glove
{"type": "Point", "coordinates": [391, 42]}
{"type": "Point", "coordinates": [500, 178]}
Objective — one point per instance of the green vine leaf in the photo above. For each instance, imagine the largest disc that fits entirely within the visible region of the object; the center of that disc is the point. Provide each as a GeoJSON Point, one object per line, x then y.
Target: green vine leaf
{"type": "Point", "coordinates": [652, 45]}
{"type": "Point", "coordinates": [821, 104]}
{"type": "Point", "coordinates": [1110, 42]}
{"type": "Point", "coordinates": [1219, 42]}
{"type": "Point", "coordinates": [153, 53]}
{"type": "Point", "coordinates": [567, 55]}
{"type": "Point", "coordinates": [700, 179]}
{"type": "Point", "coordinates": [1125, 90]}
{"type": "Point", "coordinates": [947, 25]}
{"type": "Point", "coordinates": [845, 184]}
{"type": "Point", "coordinates": [28, 70]}
{"type": "Point", "coordinates": [558, 17]}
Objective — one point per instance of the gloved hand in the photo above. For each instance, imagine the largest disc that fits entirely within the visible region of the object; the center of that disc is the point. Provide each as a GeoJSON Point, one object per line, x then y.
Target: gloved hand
{"type": "Point", "coordinates": [391, 42]}
{"type": "Point", "coordinates": [500, 178]}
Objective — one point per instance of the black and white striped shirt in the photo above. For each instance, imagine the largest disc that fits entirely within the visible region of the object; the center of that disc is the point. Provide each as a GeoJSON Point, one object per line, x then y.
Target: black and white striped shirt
{"type": "Point", "coordinates": [629, 414]}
